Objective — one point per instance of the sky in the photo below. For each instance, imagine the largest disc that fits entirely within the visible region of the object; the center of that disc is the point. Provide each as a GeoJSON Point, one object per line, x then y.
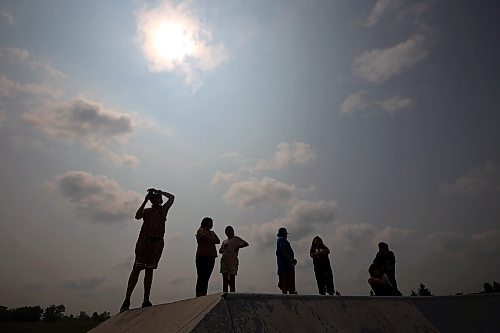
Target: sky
{"type": "Point", "coordinates": [359, 121]}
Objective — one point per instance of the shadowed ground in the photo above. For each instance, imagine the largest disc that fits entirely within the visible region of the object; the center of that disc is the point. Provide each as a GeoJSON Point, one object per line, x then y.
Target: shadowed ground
{"type": "Point", "coordinates": [302, 313]}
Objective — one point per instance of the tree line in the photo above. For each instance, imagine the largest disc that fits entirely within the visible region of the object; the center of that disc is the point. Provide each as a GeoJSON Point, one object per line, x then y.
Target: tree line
{"type": "Point", "coordinates": [51, 313]}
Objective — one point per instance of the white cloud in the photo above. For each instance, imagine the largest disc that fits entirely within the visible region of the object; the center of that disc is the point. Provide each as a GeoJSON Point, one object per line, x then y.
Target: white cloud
{"type": "Point", "coordinates": [7, 17]}
{"type": "Point", "coordinates": [381, 6]}
{"type": "Point", "coordinates": [483, 179]}
{"type": "Point", "coordinates": [355, 103]}
{"type": "Point", "coordinates": [96, 197]}
{"type": "Point", "coordinates": [95, 126]}
{"type": "Point", "coordinates": [395, 103]}
{"type": "Point", "coordinates": [8, 88]}
{"type": "Point", "coordinates": [173, 38]}
{"type": "Point", "coordinates": [379, 65]}
{"type": "Point", "coordinates": [254, 191]}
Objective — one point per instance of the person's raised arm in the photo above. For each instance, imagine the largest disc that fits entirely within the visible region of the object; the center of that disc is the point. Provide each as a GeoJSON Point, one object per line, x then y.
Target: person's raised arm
{"type": "Point", "coordinates": [140, 212]}
{"type": "Point", "coordinates": [170, 200]}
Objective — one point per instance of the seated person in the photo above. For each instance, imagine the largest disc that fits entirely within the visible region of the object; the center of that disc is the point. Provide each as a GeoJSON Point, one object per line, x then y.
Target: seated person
{"type": "Point", "coordinates": [380, 283]}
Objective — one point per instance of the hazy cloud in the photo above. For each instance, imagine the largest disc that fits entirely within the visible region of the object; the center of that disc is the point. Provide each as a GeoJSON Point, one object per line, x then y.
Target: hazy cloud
{"type": "Point", "coordinates": [221, 178]}
{"type": "Point", "coordinates": [484, 179]}
{"type": "Point", "coordinates": [379, 65]}
{"type": "Point", "coordinates": [395, 103]}
{"type": "Point", "coordinates": [355, 103]}
{"type": "Point", "coordinates": [7, 17]}
{"type": "Point", "coordinates": [381, 6]}
{"type": "Point", "coordinates": [83, 283]}
{"type": "Point", "coordinates": [96, 197]}
{"type": "Point", "coordinates": [286, 154]}
{"type": "Point", "coordinates": [254, 191]}
{"type": "Point", "coordinates": [23, 56]}
{"type": "Point", "coordinates": [302, 220]}
{"type": "Point", "coordinates": [96, 127]}
{"type": "Point", "coordinates": [173, 38]}
{"type": "Point", "coordinates": [8, 88]}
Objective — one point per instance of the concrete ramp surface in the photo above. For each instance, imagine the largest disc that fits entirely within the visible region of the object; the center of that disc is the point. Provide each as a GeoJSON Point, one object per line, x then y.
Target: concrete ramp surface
{"type": "Point", "coordinates": [298, 313]}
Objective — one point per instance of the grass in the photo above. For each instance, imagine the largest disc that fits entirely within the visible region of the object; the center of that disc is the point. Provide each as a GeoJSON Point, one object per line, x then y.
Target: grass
{"type": "Point", "coordinates": [63, 326]}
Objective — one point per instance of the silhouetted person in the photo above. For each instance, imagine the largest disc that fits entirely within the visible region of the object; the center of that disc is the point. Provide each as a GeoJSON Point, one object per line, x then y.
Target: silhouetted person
{"type": "Point", "coordinates": [286, 263]}
{"type": "Point", "coordinates": [150, 243]}
{"type": "Point", "coordinates": [380, 283]}
{"type": "Point", "coordinates": [229, 260]}
{"type": "Point", "coordinates": [205, 255]}
{"type": "Point", "coordinates": [322, 268]}
{"type": "Point", "coordinates": [386, 261]}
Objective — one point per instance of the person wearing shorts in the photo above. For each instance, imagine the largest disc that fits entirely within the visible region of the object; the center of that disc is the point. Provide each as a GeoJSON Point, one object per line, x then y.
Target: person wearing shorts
{"type": "Point", "coordinates": [149, 246]}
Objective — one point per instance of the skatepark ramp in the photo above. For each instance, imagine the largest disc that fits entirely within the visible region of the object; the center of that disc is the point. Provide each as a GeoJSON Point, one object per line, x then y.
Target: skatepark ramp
{"type": "Point", "coordinates": [304, 313]}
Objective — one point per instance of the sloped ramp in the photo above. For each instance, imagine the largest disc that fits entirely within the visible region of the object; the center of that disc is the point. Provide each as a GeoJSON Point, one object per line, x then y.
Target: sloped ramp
{"type": "Point", "coordinates": [298, 313]}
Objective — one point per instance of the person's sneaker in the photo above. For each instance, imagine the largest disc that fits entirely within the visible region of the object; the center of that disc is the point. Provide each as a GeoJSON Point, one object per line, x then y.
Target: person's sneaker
{"type": "Point", "coordinates": [125, 306]}
{"type": "Point", "coordinates": [146, 304]}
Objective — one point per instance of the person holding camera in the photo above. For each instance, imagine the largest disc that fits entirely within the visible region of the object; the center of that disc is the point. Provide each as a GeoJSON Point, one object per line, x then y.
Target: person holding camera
{"type": "Point", "coordinates": [149, 246]}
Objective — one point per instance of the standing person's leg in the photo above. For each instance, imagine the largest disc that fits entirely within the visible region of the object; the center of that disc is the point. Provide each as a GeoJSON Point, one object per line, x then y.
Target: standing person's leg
{"type": "Point", "coordinates": [320, 282]}
{"type": "Point", "coordinates": [282, 283]}
{"type": "Point", "coordinates": [210, 267]}
{"type": "Point", "coordinates": [225, 281]}
{"type": "Point", "coordinates": [232, 283]}
{"type": "Point", "coordinates": [148, 280]}
{"type": "Point", "coordinates": [291, 282]}
{"type": "Point", "coordinates": [330, 288]}
{"type": "Point", "coordinates": [200, 272]}
{"type": "Point", "coordinates": [132, 282]}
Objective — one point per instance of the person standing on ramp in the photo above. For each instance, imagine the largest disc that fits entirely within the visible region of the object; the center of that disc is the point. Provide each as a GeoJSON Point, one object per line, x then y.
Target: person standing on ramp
{"type": "Point", "coordinates": [229, 260]}
{"type": "Point", "coordinates": [150, 243]}
{"type": "Point", "coordinates": [286, 263]}
{"type": "Point", "coordinates": [205, 255]}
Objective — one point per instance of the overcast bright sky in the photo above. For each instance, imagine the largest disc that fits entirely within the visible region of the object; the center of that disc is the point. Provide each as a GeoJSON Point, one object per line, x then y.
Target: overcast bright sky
{"type": "Point", "coordinates": [359, 121]}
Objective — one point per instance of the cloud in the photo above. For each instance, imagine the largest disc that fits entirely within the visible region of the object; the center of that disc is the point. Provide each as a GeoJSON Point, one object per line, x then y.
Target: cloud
{"type": "Point", "coordinates": [302, 220]}
{"type": "Point", "coordinates": [174, 237]}
{"type": "Point", "coordinates": [483, 179]}
{"type": "Point", "coordinates": [254, 191]}
{"type": "Point", "coordinates": [381, 6]}
{"type": "Point", "coordinates": [3, 117]}
{"type": "Point", "coordinates": [96, 197]}
{"type": "Point", "coordinates": [355, 103]}
{"type": "Point", "coordinates": [379, 65]}
{"type": "Point", "coordinates": [23, 56]}
{"type": "Point", "coordinates": [7, 86]}
{"type": "Point", "coordinates": [96, 127]}
{"type": "Point", "coordinates": [82, 283]}
{"type": "Point", "coordinates": [221, 178]}
{"type": "Point", "coordinates": [7, 17]}
{"type": "Point", "coordinates": [286, 154]}
{"type": "Point", "coordinates": [360, 103]}
{"type": "Point", "coordinates": [173, 38]}
{"type": "Point", "coordinates": [395, 103]}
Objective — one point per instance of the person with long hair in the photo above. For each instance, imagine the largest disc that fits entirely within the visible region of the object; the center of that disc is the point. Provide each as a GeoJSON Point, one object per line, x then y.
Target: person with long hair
{"type": "Point", "coordinates": [229, 261]}
{"type": "Point", "coordinates": [322, 267]}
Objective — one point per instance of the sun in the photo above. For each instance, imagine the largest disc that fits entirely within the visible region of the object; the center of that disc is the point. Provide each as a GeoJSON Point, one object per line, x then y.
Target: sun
{"type": "Point", "coordinates": [171, 41]}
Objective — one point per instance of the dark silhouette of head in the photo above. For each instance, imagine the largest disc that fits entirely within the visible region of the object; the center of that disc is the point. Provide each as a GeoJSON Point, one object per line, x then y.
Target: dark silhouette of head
{"type": "Point", "coordinates": [317, 241]}
{"type": "Point", "coordinates": [375, 271]}
{"type": "Point", "coordinates": [229, 231]}
{"type": "Point", "coordinates": [383, 247]}
{"type": "Point", "coordinates": [207, 223]}
{"type": "Point", "coordinates": [156, 199]}
{"type": "Point", "coordinates": [282, 232]}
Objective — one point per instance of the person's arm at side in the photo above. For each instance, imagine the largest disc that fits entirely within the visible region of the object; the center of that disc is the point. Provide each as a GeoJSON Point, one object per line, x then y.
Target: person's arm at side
{"type": "Point", "coordinates": [288, 255]}
{"type": "Point", "coordinates": [140, 212]}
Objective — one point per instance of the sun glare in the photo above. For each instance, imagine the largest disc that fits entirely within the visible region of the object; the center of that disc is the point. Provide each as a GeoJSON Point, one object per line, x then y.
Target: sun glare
{"type": "Point", "coordinates": [171, 41]}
